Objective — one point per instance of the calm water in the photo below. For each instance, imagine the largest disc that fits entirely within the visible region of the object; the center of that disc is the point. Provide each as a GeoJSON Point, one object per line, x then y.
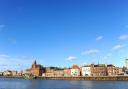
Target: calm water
{"type": "Point", "coordinates": [58, 84]}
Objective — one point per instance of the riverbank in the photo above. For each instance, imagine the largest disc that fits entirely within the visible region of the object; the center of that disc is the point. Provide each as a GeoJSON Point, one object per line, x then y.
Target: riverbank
{"type": "Point", "coordinates": [104, 78]}
{"type": "Point", "coordinates": [11, 77]}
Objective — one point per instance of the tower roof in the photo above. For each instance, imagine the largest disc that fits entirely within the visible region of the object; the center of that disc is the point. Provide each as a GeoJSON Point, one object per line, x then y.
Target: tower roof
{"type": "Point", "coordinates": [34, 62]}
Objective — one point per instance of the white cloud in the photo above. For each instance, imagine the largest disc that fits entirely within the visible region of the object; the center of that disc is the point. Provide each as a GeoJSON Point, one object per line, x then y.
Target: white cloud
{"type": "Point", "coordinates": [14, 63]}
{"type": "Point", "coordinates": [71, 58]}
{"type": "Point", "coordinates": [90, 51]}
{"type": "Point", "coordinates": [99, 38]}
{"type": "Point", "coordinates": [124, 37]}
{"type": "Point", "coordinates": [117, 47]}
{"type": "Point", "coordinates": [4, 56]}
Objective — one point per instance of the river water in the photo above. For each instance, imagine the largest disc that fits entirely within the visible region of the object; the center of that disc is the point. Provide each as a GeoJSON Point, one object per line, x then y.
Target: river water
{"type": "Point", "coordinates": [7, 83]}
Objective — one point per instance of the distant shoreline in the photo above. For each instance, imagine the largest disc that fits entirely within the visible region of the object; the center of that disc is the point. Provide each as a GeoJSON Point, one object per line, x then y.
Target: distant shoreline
{"type": "Point", "coordinates": [104, 78]}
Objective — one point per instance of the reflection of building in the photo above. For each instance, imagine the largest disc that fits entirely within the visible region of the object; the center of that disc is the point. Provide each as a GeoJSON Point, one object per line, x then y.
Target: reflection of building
{"type": "Point", "coordinates": [75, 71]}
{"type": "Point", "coordinates": [86, 70]}
{"type": "Point", "coordinates": [36, 69]}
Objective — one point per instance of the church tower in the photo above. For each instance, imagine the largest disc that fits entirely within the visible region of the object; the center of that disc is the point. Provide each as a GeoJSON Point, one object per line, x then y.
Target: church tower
{"type": "Point", "coordinates": [36, 69]}
{"type": "Point", "coordinates": [34, 64]}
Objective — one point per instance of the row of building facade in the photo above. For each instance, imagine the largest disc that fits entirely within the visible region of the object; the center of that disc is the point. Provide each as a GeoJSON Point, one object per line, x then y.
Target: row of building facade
{"type": "Point", "coordinates": [74, 71]}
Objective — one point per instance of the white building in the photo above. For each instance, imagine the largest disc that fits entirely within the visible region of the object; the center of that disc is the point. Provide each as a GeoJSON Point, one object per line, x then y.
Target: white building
{"type": "Point", "coordinates": [86, 70]}
{"type": "Point", "coordinates": [43, 75]}
{"type": "Point", "coordinates": [75, 71]}
{"type": "Point", "coordinates": [7, 73]}
{"type": "Point", "coordinates": [19, 73]}
{"type": "Point", "coordinates": [126, 63]}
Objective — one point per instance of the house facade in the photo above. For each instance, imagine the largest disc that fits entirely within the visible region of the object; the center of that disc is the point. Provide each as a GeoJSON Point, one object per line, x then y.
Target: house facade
{"type": "Point", "coordinates": [75, 71]}
{"type": "Point", "coordinates": [67, 72]}
{"type": "Point", "coordinates": [110, 70]}
{"type": "Point", "coordinates": [98, 70]}
{"type": "Point", "coordinates": [86, 70]}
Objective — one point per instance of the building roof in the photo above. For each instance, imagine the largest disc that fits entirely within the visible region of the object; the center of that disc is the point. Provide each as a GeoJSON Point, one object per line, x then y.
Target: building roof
{"type": "Point", "coordinates": [75, 67]}
{"type": "Point", "coordinates": [110, 65]}
{"type": "Point", "coordinates": [86, 66]}
{"type": "Point", "coordinates": [34, 62]}
{"type": "Point", "coordinates": [99, 65]}
{"type": "Point", "coordinates": [37, 65]}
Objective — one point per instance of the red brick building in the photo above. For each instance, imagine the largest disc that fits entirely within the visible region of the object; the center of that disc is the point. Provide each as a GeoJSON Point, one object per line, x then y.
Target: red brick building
{"type": "Point", "coordinates": [36, 69]}
{"type": "Point", "coordinates": [98, 70]}
{"type": "Point", "coordinates": [110, 70]}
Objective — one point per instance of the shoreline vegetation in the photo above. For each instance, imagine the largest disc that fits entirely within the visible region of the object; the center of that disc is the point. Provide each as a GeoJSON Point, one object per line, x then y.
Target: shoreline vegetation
{"type": "Point", "coordinates": [103, 78]}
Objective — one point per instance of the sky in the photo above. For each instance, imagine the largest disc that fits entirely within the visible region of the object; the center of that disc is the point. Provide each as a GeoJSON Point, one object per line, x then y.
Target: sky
{"type": "Point", "coordinates": [62, 32]}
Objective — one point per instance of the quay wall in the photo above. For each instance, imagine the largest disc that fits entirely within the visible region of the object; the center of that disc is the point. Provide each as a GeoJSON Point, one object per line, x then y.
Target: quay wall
{"type": "Point", "coordinates": [11, 76]}
{"type": "Point", "coordinates": [116, 78]}
{"type": "Point", "coordinates": [104, 78]}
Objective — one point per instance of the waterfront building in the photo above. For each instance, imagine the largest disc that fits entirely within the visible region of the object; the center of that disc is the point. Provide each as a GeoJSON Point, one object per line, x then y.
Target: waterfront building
{"type": "Point", "coordinates": [125, 70]}
{"type": "Point", "coordinates": [121, 71]}
{"type": "Point", "coordinates": [86, 70]}
{"type": "Point", "coordinates": [110, 70]}
{"type": "Point", "coordinates": [116, 71]}
{"type": "Point", "coordinates": [36, 69]}
{"type": "Point", "coordinates": [19, 73]}
{"type": "Point", "coordinates": [26, 72]}
{"type": "Point", "coordinates": [67, 72]}
{"type": "Point", "coordinates": [126, 63]}
{"type": "Point", "coordinates": [98, 70]}
{"type": "Point", "coordinates": [43, 75]}
{"type": "Point", "coordinates": [59, 73]}
{"type": "Point", "coordinates": [75, 71]}
{"type": "Point", "coordinates": [1, 73]}
{"type": "Point", "coordinates": [14, 73]}
{"type": "Point", "coordinates": [49, 71]}
{"type": "Point", "coordinates": [7, 73]}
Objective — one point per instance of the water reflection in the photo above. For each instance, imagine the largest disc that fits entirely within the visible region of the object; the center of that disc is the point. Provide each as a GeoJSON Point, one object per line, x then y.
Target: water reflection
{"type": "Point", "coordinates": [58, 84]}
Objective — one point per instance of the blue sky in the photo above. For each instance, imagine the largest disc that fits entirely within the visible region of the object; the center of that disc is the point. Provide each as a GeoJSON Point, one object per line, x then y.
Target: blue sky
{"type": "Point", "coordinates": [63, 32]}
